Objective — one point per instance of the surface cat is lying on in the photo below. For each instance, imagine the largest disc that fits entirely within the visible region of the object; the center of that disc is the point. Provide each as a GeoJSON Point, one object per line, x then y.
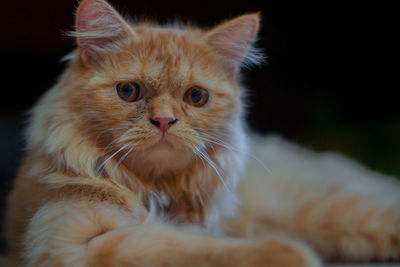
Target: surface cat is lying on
{"type": "Point", "coordinates": [138, 157]}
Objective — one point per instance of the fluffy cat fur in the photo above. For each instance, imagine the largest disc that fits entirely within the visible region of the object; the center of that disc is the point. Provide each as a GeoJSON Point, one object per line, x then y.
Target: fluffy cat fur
{"type": "Point", "coordinates": [100, 187]}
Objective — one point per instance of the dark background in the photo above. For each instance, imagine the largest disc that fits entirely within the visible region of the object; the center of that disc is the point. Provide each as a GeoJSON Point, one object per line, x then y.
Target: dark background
{"type": "Point", "coordinates": [329, 83]}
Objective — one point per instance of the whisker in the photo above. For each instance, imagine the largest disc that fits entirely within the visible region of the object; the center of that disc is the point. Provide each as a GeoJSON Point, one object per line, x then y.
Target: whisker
{"type": "Point", "coordinates": [212, 164]}
{"type": "Point", "coordinates": [196, 153]}
{"type": "Point", "coordinates": [110, 157]}
{"type": "Point", "coordinates": [218, 141]}
{"type": "Point", "coordinates": [121, 160]}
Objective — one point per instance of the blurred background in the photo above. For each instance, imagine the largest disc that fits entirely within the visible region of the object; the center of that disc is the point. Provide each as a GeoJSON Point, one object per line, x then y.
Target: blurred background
{"type": "Point", "coordinates": [328, 85]}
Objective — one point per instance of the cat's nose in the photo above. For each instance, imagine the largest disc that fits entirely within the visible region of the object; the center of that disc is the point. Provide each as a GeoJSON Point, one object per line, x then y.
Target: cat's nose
{"type": "Point", "coordinates": [163, 123]}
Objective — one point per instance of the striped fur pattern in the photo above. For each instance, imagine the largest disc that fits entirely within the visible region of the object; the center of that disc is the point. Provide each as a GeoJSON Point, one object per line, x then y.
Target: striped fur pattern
{"type": "Point", "coordinates": [100, 187]}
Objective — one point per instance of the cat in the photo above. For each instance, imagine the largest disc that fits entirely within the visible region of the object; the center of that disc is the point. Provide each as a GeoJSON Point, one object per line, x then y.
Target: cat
{"type": "Point", "coordinates": [138, 156]}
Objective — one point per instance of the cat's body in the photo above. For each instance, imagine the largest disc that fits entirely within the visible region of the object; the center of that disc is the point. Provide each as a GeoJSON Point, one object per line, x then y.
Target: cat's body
{"type": "Point", "coordinates": [134, 158]}
{"type": "Point", "coordinates": [347, 212]}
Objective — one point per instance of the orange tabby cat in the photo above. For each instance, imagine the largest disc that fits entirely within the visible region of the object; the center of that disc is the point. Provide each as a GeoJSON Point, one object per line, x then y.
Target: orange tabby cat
{"type": "Point", "coordinates": [135, 156]}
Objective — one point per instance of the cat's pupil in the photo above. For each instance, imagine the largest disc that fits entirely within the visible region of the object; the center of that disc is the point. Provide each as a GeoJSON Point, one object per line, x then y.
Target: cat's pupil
{"type": "Point", "coordinates": [127, 90]}
{"type": "Point", "coordinates": [196, 95]}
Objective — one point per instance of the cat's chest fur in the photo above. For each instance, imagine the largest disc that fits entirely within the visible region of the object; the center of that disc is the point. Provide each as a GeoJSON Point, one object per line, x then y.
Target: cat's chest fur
{"type": "Point", "coordinates": [184, 195]}
{"type": "Point", "coordinates": [209, 213]}
{"type": "Point", "coordinates": [200, 193]}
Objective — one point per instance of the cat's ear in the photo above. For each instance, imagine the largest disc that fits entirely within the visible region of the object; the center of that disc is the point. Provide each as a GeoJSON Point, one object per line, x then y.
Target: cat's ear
{"type": "Point", "coordinates": [97, 25]}
{"type": "Point", "coordinates": [233, 41]}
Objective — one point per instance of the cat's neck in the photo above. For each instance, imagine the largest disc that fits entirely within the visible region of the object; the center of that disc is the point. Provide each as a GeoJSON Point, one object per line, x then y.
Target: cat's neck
{"type": "Point", "coordinates": [182, 186]}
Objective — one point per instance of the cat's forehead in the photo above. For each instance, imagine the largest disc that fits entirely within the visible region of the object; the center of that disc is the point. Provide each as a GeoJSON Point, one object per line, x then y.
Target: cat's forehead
{"type": "Point", "coordinates": [167, 42]}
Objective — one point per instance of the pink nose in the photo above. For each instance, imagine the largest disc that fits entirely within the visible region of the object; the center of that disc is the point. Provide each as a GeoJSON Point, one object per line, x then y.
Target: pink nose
{"type": "Point", "coordinates": [163, 123]}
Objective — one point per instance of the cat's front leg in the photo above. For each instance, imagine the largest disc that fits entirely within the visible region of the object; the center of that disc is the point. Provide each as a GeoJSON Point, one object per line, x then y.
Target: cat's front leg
{"type": "Point", "coordinates": [82, 234]}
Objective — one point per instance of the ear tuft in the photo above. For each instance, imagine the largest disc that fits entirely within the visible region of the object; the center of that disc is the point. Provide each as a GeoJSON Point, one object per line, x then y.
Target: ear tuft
{"type": "Point", "coordinates": [97, 25]}
{"type": "Point", "coordinates": [233, 41]}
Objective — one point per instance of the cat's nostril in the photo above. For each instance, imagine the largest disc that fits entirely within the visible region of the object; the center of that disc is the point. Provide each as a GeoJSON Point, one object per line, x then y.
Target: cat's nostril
{"type": "Point", "coordinates": [173, 122]}
{"type": "Point", "coordinates": [156, 123]}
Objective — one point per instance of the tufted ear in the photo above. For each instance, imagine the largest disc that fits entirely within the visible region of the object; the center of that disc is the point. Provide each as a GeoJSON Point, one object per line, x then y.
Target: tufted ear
{"type": "Point", "coordinates": [97, 25]}
{"type": "Point", "coordinates": [232, 40]}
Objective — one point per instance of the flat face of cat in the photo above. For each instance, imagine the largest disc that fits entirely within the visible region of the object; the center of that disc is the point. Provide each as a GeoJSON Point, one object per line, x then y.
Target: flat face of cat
{"type": "Point", "coordinates": [166, 92]}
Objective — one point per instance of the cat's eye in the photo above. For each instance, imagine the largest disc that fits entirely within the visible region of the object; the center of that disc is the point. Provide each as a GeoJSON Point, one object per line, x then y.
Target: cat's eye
{"type": "Point", "coordinates": [196, 96]}
{"type": "Point", "coordinates": [128, 91]}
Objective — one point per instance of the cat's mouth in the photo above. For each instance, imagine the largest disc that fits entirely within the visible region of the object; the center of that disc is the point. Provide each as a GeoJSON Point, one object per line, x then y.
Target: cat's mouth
{"type": "Point", "coordinates": [167, 154]}
{"type": "Point", "coordinates": [168, 139]}
{"type": "Point", "coordinates": [167, 143]}
{"type": "Point", "coordinates": [164, 141]}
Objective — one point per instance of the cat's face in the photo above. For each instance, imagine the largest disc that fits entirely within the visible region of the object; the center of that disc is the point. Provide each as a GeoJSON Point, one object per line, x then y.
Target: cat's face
{"type": "Point", "coordinates": [165, 92]}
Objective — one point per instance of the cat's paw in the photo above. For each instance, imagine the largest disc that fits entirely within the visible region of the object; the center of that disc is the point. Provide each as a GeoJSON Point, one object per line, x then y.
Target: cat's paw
{"type": "Point", "coordinates": [280, 252]}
